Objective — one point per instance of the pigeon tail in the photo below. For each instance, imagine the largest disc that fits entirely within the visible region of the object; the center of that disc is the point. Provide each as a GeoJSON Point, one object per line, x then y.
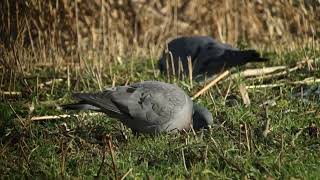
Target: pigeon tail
{"type": "Point", "coordinates": [251, 56]}
{"type": "Point", "coordinates": [80, 106]}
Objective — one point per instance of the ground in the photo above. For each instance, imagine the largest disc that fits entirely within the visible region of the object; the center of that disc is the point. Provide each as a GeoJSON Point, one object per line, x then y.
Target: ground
{"type": "Point", "coordinates": [279, 139]}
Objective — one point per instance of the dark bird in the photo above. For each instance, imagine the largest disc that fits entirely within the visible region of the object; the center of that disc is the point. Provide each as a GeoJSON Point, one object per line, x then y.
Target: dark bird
{"type": "Point", "coordinates": [146, 107]}
{"type": "Point", "coordinates": [208, 56]}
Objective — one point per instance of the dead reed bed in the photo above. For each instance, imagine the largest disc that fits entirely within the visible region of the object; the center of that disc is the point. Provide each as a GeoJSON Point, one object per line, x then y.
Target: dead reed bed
{"type": "Point", "coordinates": [125, 26]}
{"type": "Point", "coordinates": [94, 35]}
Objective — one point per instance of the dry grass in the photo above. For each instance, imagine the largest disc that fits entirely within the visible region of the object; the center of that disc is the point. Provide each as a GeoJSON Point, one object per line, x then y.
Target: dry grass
{"type": "Point", "coordinates": [50, 48]}
{"type": "Point", "coordinates": [124, 27]}
{"type": "Point", "coordinates": [95, 35]}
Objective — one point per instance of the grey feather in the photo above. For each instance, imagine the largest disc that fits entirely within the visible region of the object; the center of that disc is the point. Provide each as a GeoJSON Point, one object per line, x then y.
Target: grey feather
{"type": "Point", "coordinates": [147, 107]}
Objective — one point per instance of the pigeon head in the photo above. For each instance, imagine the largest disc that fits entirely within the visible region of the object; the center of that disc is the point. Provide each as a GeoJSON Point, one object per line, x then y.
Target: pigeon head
{"type": "Point", "coordinates": [202, 117]}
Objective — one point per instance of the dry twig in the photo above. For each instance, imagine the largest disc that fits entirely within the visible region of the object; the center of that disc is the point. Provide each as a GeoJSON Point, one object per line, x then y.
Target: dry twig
{"type": "Point", "coordinates": [126, 174]}
{"type": "Point", "coordinates": [257, 72]}
{"type": "Point", "coordinates": [244, 94]}
{"type": "Point", "coordinates": [41, 118]}
{"type": "Point", "coordinates": [309, 80]}
{"type": "Point", "coordinates": [213, 82]}
{"type": "Point", "coordinates": [114, 167]}
{"type": "Point", "coordinates": [10, 93]}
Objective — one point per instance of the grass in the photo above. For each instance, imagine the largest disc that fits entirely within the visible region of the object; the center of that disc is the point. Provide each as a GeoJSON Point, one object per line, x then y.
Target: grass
{"type": "Point", "coordinates": [49, 50]}
{"type": "Point", "coordinates": [233, 148]}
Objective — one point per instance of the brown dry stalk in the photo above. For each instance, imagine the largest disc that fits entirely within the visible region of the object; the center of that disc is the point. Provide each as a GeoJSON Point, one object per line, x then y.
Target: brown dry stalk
{"type": "Point", "coordinates": [102, 162]}
{"type": "Point", "coordinates": [257, 72]}
{"type": "Point", "coordinates": [50, 82]}
{"type": "Point", "coordinates": [247, 136]}
{"type": "Point", "coordinates": [41, 118]}
{"type": "Point", "coordinates": [268, 72]}
{"type": "Point", "coordinates": [10, 93]}
{"type": "Point", "coordinates": [244, 94]}
{"type": "Point", "coordinates": [103, 157]}
{"type": "Point", "coordinates": [266, 130]}
{"type": "Point", "coordinates": [281, 73]}
{"type": "Point", "coordinates": [114, 167]}
{"type": "Point", "coordinates": [190, 70]}
{"type": "Point", "coordinates": [126, 174]}
{"type": "Point", "coordinates": [213, 82]}
{"type": "Point", "coordinates": [172, 63]}
{"type": "Point", "coordinates": [309, 80]}
{"type": "Point", "coordinates": [265, 86]}
{"type": "Point", "coordinates": [184, 161]}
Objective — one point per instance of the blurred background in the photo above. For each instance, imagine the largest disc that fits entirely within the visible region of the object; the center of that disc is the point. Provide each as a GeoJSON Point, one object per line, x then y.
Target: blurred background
{"type": "Point", "coordinates": [96, 39]}
{"type": "Point", "coordinates": [120, 28]}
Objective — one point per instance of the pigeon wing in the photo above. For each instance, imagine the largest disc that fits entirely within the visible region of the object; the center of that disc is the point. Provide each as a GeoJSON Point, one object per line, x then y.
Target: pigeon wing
{"type": "Point", "coordinates": [104, 103]}
{"type": "Point", "coordinates": [153, 106]}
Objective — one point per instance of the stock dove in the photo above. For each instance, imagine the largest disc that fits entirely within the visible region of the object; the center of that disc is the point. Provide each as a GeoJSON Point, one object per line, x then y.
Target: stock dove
{"type": "Point", "coordinates": [208, 56]}
{"type": "Point", "coordinates": [146, 107]}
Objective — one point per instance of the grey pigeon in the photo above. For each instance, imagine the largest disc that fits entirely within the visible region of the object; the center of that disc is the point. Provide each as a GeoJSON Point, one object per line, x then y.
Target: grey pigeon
{"type": "Point", "coordinates": [146, 107]}
{"type": "Point", "coordinates": [208, 56]}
